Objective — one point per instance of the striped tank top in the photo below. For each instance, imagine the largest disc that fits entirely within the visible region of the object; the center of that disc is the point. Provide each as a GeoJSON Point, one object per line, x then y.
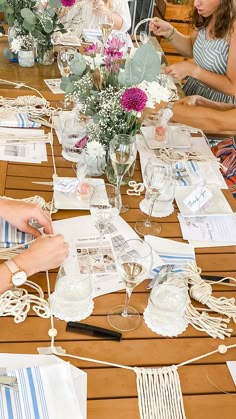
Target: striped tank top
{"type": "Point", "coordinates": [213, 56]}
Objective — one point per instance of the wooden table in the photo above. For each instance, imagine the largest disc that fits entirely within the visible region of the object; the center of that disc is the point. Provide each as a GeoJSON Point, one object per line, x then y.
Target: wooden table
{"type": "Point", "coordinates": [111, 391]}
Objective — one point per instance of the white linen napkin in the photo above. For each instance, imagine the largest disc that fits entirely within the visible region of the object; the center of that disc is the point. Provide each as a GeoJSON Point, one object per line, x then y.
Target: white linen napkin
{"type": "Point", "coordinates": [10, 236]}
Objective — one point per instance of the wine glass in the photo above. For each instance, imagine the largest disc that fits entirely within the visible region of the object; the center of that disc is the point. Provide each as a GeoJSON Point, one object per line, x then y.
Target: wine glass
{"type": "Point", "coordinates": [64, 57]}
{"type": "Point", "coordinates": [144, 37]}
{"type": "Point", "coordinates": [134, 262]}
{"type": "Point", "coordinates": [106, 23]}
{"type": "Point", "coordinates": [122, 152]}
{"type": "Point", "coordinates": [156, 176]}
{"type": "Point", "coordinates": [105, 204]}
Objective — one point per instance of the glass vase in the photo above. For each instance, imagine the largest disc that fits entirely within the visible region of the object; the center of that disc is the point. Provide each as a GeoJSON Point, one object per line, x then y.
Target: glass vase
{"type": "Point", "coordinates": [45, 54]}
{"type": "Point", "coordinates": [26, 58]}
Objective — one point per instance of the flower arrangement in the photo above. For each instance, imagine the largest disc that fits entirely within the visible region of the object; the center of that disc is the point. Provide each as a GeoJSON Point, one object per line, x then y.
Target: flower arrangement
{"type": "Point", "coordinates": [34, 21]}
{"type": "Point", "coordinates": [112, 94]}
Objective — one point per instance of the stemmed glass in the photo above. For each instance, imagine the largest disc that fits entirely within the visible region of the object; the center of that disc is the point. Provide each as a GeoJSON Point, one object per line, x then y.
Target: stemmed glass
{"type": "Point", "coordinates": [134, 262]}
{"type": "Point", "coordinates": [106, 23]}
{"type": "Point", "coordinates": [64, 57]}
{"type": "Point", "coordinates": [156, 177]}
{"type": "Point", "coordinates": [105, 204]}
{"type": "Point", "coordinates": [122, 152]}
{"type": "Point", "coordinates": [144, 37]}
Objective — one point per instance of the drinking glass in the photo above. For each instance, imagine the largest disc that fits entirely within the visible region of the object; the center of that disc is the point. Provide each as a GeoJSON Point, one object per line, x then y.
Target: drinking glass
{"type": "Point", "coordinates": [122, 152]}
{"type": "Point", "coordinates": [73, 135]}
{"type": "Point", "coordinates": [106, 23]}
{"type": "Point", "coordinates": [134, 262]}
{"type": "Point", "coordinates": [156, 176]}
{"type": "Point", "coordinates": [144, 37]}
{"type": "Point", "coordinates": [105, 204]}
{"type": "Point", "coordinates": [64, 57]}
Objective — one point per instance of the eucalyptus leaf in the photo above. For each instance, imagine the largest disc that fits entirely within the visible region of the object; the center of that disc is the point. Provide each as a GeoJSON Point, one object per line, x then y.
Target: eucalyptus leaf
{"type": "Point", "coordinates": [29, 27]}
{"type": "Point", "coordinates": [145, 65]}
{"type": "Point", "coordinates": [78, 65]}
{"type": "Point", "coordinates": [66, 85]}
{"type": "Point", "coordinates": [55, 4]}
{"type": "Point", "coordinates": [48, 26]}
{"type": "Point", "coordinates": [51, 12]}
{"type": "Point", "coordinates": [28, 15]}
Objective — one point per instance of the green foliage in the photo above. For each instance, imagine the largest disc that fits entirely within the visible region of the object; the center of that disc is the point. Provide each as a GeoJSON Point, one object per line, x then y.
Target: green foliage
{"type": "Point", "coordinates": [145, 65]}
{"type": "Point", "coordinates": [78, 65]}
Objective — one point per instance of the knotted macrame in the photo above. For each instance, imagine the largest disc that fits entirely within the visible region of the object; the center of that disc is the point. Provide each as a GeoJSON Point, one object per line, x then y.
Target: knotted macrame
{"type": "Point", "coordinates": [32, 105]}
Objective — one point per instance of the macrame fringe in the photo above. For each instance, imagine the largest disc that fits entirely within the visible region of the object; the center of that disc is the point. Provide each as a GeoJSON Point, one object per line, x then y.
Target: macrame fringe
{"type": "Point", "coordinates": [32, 105]}
{"type": "Point", "coordinates": [159, 393]}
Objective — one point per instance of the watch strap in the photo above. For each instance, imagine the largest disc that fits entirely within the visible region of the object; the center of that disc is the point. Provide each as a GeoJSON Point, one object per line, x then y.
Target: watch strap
{"type": "Point", "coordinates": [12, 266]}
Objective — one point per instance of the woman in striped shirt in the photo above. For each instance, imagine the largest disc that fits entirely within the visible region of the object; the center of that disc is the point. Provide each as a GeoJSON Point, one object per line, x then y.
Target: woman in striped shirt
{"type": "Point", "coordinates": [212, 46]}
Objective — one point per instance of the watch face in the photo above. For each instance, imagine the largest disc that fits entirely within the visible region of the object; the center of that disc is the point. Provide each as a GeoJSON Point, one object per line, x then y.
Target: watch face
{"type": "Point", "coordinates": [19, 278]}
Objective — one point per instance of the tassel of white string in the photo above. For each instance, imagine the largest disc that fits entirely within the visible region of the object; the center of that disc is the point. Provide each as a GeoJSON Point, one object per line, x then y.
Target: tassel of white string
{"type": "Point", "coordinates": [202, 292]}
{"type": "Point", "coordinates": [169, 155]}
{"type": "Point", "coordinates": [216, 327]}
{"type": "Point", "coordinates": [159, 393]}
{"type": "Point", "coordinates": [32, 105]}
{"type": "Point", "coordinates": [17, 303]}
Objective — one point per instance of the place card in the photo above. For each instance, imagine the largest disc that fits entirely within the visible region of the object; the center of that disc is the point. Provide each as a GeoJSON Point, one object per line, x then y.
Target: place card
{"type": "Point", "coordinates": [54, 85]}
{"type": "Point", "coordinates": [198, 198]}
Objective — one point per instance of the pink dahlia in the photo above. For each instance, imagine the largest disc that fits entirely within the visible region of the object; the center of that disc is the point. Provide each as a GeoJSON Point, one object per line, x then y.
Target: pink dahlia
{"type": "Point", "coordinates": [68, 3]}
{"type": "Point", "coordinates": [134, 99]}
{"type": "Point", "coordinates": [91, 49]}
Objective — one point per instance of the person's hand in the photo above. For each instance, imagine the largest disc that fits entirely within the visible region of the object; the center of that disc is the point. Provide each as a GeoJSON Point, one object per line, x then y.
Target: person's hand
{"type": "Point", "coordinates": [99, 8]}
{"type": "Point", "coordinates": [181, 70]}
{"type": "Point", "coordinates": [46, 252]}
{"type": "Point", "coordinates": [160, 27]}
{"type": "Point", "coordinates": [189, 100]}
{"type": "Point", "coordinates": [19, 213]}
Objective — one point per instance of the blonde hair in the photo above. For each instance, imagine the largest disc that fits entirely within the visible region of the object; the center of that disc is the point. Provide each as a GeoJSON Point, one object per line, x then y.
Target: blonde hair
{"type": "Point", "coordinates": [108, 3]}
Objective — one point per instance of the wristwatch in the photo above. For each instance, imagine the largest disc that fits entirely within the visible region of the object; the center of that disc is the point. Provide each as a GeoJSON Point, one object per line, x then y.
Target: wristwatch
{"type": "Point", "coordinates": [168, 110]}
{"type": "Point", "coordinates": [18, 276]}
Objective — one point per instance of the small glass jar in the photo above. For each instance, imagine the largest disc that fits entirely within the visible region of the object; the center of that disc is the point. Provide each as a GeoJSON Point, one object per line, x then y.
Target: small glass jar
{"type": "Point", "coordinates": [26, 58]}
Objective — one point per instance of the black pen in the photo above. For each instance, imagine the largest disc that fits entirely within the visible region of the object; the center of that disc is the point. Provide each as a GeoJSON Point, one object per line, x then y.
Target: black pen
{"type": "Point", "coordinates": [91, 330]}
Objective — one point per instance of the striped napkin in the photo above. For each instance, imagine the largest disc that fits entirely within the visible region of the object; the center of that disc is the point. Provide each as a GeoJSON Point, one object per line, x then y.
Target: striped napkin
{"type": "Point", "coordinates": [10, 236]}
{"type": "Point", "coordinates": [17, 120]}
{"type": "Point", "coordinates": [44, 392]}
{"type": "Point", "coordinates": [171, 252]}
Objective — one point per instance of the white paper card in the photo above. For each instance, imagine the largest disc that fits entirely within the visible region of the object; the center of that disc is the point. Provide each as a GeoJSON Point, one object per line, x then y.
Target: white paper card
{"type": "Point", "coordinates": [54, 85]}
{"type": "Point", "coordinates": [232, 368]}
{"type": "Point", "coordinates": [199, 197]}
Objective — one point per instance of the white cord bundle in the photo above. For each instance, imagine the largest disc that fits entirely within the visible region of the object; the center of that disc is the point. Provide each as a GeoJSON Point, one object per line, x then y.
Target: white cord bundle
{"type": "Point", "coordinates": [32, 105]}
{"type": "Point", "coordinates": [201, 291]}
{"type": "Point", "coordinates": [170, 155]}
{"type": "Point", "coordinates": [23, 139]}
{"type": "Point", "coordinates": [159, 393]}
{"type": "Point", "coordinates": [17, 303]}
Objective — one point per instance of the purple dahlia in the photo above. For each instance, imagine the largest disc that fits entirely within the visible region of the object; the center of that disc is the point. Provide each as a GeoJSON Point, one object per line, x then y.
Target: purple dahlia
{"type": "Point", "coordinates": [134, 99]}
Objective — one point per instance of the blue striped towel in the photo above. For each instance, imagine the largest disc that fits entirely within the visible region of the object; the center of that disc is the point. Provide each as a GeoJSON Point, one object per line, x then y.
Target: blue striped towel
{"type": "Point", "coordinates": [187, 173]}
{"type": "Point", "coordinates": [10, 236]}
{"type": "Point", "coordinates": [18, 120]}
{"type": "Point", "coordinates": [27, 403]}
{"type": "Point", "coordinates": [171, 253]}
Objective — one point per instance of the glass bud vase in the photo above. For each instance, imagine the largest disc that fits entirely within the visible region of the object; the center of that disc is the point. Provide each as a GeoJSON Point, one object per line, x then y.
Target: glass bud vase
{"type": "Point", "coordinates": [45, 54]}
{"type": "Point", "coordinates": [26, 58]}
{"type": "Point", "coordinates": [110, 173]}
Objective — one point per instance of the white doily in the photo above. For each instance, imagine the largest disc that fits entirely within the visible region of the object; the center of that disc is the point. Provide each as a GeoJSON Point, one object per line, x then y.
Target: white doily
{"type": "Point", "coordinates": [165, 327]}
{"type": "Point", "coordinates": [71, 313]}
{"type": "Point", "coordinates": [160, 209]}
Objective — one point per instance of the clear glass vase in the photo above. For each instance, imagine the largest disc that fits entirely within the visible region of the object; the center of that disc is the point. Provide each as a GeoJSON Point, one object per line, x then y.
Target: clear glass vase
{"type": "Point", "coordinates": [45, 54]}
{"type": "Point", "coordinates": [26, 58]}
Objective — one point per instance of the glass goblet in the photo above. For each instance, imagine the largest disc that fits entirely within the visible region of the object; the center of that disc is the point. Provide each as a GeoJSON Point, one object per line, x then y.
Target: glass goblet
{"type": "Point", "coordinates": [122, 152]}
{"type": "Point", "coordinates": [156, 176]}
{"type": "Point", "coordinates": [64, 58]}
{"type": "Point", "coordinates": [105, 204]}
{"type": "Point", "coordinates": [106, 23]}
{"type": "Point", "coordinates": [134, 262]}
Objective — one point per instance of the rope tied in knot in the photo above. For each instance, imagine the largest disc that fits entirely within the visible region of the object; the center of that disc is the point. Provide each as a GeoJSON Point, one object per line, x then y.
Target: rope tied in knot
{"type": "Point", "coordinates": [201, 292]}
